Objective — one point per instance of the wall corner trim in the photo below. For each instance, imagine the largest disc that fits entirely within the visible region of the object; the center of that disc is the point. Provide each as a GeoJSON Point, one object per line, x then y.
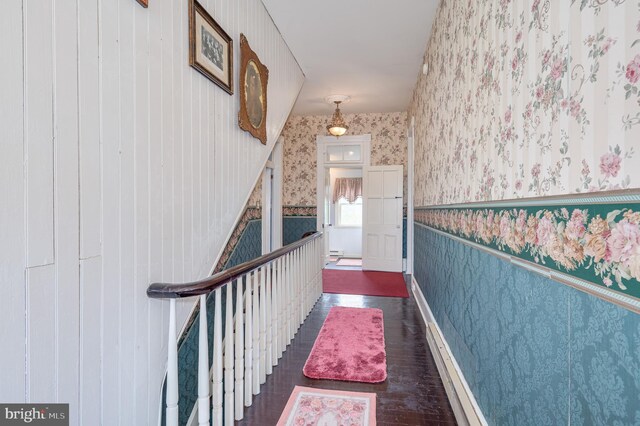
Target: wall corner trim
{"type": "Point", "coordinates": [463, 403]}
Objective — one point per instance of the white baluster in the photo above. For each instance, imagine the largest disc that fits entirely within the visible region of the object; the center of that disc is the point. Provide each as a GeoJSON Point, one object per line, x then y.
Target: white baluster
{"type": "Point", "coordinates": [294, 293]}
{"type": "Point", "coordinates": [319, 265]}
{"type": "Point", "coordinates": [290, 297]}
{"type": "Point", "coordinates": [274, 314]}
{"type": "Point", "coordinates": [256, 334]}
{"type": "Point", "coordinates": [263, 326]}
{"type": "Point", "coordinates": [311, 276]}
{"type": "Point", "coordinates": [301, 279]}
{"type": "Point", "coordinates": [314, 281]}
{"type": "Point", "coordinates": [304, 265]}
{"type": "Point", "coordinates": [172, 368]}
{"type": "Point", "coordinates": [239, 370]}
{"type": "Point", "coordinates": [267, 316]}
{"type": "Point", "coordinates": [248, 343]}
{"type": "Point", "coordinates": [295, 281]}
{"type": "Point", "coordinates": [282, 313]}
{"type": "Point", "coordinates": [217, 359]}
{"type": "Point", "coordinates": [298, 289]}
{"type": "Point", "coordinates": [203, 364]}
{"type": "Point", "coordinates": [307, 280]}
{"type": "Point", "coordinates": [228, 358]}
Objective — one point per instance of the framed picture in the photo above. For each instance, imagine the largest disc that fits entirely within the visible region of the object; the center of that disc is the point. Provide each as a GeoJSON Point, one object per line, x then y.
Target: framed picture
{"type": "Point", "coordinates": [143, 3]}
{"type": "Point", "coordinates": [253, 92]}
{"type": "Point", "coordinates": [210, 47]}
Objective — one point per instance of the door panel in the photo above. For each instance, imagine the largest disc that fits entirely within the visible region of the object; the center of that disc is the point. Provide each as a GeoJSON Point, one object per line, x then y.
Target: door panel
{"type": "Point", "coordinates": [374, 212]}
{"type": "Point", "coordinates": [382, 227]}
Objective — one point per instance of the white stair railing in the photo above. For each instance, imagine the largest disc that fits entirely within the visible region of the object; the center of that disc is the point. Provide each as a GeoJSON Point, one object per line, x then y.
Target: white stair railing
{"type": "Point", "coordinates": [273, 296]}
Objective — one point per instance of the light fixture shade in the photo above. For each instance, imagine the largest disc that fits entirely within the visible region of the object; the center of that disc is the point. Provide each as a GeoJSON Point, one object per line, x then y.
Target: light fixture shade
{"type": "Point", "coordinates": [337, 126]}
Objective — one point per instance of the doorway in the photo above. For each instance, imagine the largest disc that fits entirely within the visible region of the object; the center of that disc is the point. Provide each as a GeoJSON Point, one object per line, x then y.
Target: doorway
{"type": "Point", "coordinates": [345, 214]}
{"type": "Point", "coordinates": [340, 221]}
{"type": "Point", "coordinates": [368, 227]}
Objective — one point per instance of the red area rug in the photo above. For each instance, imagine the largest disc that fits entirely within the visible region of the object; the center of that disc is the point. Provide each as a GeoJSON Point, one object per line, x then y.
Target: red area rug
{"type": "Point", "coordinates": [309, 406]}
{"type": "Point", "coordinates": [366, 283]}
{"type": "Point", "coordinates": [349, 347]}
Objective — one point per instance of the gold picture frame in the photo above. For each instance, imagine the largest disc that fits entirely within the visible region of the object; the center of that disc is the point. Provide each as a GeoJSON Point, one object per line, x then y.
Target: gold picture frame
{"type": "Point", "coordinates": [253, 92]}
{"type": "Point", "coordinates": [210, 47]}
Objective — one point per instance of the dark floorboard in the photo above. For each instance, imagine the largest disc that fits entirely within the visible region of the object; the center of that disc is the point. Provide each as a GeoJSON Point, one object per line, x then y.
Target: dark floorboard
{"type": "Point", "coordinates": [413, 393]}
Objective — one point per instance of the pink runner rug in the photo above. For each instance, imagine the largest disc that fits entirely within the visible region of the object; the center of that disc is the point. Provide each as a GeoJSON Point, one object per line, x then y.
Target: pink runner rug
{"type": "Point", "coordinates": [309, 406]}
{"type": "Point", "coordinates": [349, 347]}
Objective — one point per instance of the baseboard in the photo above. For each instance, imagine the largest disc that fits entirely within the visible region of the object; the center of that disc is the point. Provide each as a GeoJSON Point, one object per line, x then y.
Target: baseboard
{"type": "Point", "coordinates": [463, 403]}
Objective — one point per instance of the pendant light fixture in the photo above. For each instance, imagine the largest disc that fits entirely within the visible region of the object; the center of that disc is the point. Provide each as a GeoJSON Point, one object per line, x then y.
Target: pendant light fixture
{"type": "Point", "coordinates": [337, 127]}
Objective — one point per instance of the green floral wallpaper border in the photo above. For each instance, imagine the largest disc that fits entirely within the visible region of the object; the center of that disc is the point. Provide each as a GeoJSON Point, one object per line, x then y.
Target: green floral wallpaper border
{"type": "Point", "coordinates": [594, 239]}
{"type": "Point", "coordinates": [299, 211]}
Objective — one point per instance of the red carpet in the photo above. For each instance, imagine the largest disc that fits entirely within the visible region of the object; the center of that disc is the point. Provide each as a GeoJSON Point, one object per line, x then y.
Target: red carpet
{"type": "Point", "coordinates": [366, 283]}
{"type": "Point", "coordinates": [350, 347]}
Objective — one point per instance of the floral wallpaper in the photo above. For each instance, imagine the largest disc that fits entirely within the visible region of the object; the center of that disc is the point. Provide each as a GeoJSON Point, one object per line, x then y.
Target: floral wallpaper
{"type": "Point", "coordinates": [255, 199]}
{"type": "Point", "coordinates": [528, 98]}
{"type": "Point", "coordinates": [598, 242]}
{"type": "Point", "coordinates": [388, 147]}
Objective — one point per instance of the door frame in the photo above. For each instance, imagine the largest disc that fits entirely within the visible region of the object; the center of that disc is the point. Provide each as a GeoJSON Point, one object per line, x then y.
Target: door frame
{"type": "Point", "coordinates": [410, 194]}
{"type": "Point", "coordinates": [272, 200]}
{"type": "Point", "coordinates": [323, 164]}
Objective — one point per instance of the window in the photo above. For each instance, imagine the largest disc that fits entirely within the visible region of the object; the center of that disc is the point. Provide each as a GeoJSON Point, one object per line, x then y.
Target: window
{"type": "Point", "coordinates": [348, 214]}
{"type": "Point", "coordinates": [344, 153]}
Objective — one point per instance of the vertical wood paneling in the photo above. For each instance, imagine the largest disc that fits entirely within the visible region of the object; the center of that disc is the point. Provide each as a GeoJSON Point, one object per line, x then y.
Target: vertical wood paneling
{"type": "Point", "coordinates": [176, 116]}
{"type": "Point", "coordinates": [12, 238]}
{"type": "Point", "coordinates": [189, 166]}
{"type": "Point", "coordinates": [89, 127]}
{"type": "Point", "coordinates": [167, 144]}
{"type": "Point", "coordinates": [155, 335]}
{"type": "Point", "coordinates": [38, 88]}
{"type": "Point", "coordinates": [90, 349]}
{"type": "Point", "coordinates": [142, 214]}
{"type": "Point", "coordinates": [41, 335]}
{"type": "Point", "coordinates": [122, 166]}
{"type": "Point", "coordinates": [66, 214]}
{"type": "Point", "coordinates": [128, 144]}
{"type": "Point", "coordinates": [110, 129]}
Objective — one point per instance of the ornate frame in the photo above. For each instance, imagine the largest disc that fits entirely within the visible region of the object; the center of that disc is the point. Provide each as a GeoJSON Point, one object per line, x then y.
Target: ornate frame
{"type": "Point", "coordinates": [195, 7]}
{"type": "Point", "coordinates": [246, 56]}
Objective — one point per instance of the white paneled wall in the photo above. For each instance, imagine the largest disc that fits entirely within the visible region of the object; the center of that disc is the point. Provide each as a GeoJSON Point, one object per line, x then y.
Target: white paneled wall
{"type": "Point", "coordinates": [119, 165]}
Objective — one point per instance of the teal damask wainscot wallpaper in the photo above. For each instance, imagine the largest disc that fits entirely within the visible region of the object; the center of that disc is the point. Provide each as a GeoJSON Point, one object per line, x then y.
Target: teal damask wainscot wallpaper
{"type": "Point", "coordinates": [533, 351]}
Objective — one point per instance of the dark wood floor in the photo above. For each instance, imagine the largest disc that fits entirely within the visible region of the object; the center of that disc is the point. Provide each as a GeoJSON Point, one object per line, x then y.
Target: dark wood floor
{"type": "Point", "coordinates": [413, 393]}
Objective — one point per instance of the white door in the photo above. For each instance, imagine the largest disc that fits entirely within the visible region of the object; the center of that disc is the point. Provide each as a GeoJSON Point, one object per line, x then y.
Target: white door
{"type": "Point", "coordinates": [326, 208]}
{"type": "Point", "coordinates": [382, 218]}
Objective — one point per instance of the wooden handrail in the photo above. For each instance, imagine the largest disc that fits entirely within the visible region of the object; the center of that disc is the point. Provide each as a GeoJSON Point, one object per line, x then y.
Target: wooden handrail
{"type": "Point", "coordinates": [209, 284]}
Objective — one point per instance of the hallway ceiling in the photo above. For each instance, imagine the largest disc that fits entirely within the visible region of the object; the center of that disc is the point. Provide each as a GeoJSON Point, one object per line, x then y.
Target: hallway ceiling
{"type": "Point", "coordinates": [370, 50]}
